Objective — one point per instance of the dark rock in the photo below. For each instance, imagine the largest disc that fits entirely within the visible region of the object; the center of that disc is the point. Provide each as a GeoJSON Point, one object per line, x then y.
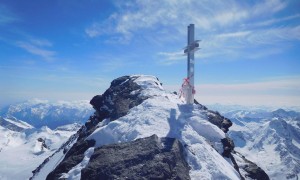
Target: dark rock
{"type": "Point", "coordinates": [44, 145]}
{"type": "Point", "coordinates": [96, 101]}
{"type": "Point", "coordinates": [253, 171]}
{"type": "Point", "coordinates": [219, 120]}
{"type": "Point", "coordinates": [228, 146]}
{"type": "Point", "coordinates": [74, 156]}
{"type": "Point", "coordinates": [117, 99]}
{"type": "Point", "coordinates": [200, 105]}
{"type": "Point", "coordinates": [114, 103]}
{"type": "Point", "coordinates": [216, 118]}
{"type": "Point", "coordinates": [146, 158]}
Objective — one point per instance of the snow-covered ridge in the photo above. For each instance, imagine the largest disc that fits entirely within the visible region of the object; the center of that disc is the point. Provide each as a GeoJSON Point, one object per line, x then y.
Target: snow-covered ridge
{"type": "Point", "coordinates": [136, 107]}
{"type": "Point", "coordinates": [165, 115]}
{"type": "Point", "coordinates": [19, 123]}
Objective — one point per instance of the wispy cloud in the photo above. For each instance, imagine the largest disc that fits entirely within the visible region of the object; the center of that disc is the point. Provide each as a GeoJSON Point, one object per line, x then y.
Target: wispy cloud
{"type": "Point", "coordinates": [40, 42]}
{"type": "Point", "coordinates": [268, 7]}
{"type": "Point", "coordinates": [134, 16]}
{"type": "Point", "coordinates": [171, 57]}
{"type": "Point", "coordinates": [224, 27]}
{"type": "Point", "coordinates": [276, 20]}
{"type": "Point", "coordinates": [238, 43]}
{"type": "Point", "coordinates": [37, 47]}
{"type": "Point", "coordinates": [6, 16]}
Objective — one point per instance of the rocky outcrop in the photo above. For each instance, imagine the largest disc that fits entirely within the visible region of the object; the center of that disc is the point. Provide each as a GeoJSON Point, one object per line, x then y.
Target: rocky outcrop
{"type": "Point", "coordinates": [251, 169]}
{"type": "Point", "coordinates": [146, 158]}
{"type": "Point", "coordinates": [115, 102]}
{"type": "Point", "coordinates": [216, 118]}
{"type": "Point", "coordinates": [117, 99]}
{"type": "Point", "coordinates": [44, 145]}
{"type": "Point", "coordinates": [228, 146]}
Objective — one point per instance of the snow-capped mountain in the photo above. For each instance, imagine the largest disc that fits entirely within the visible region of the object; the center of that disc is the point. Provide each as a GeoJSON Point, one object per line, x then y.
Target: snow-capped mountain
{"type": "Point", "coordinates": [140, 131]}
{"type": "Point", "coordinates": [23, 148]}
{"type": "Point", "coordinates": [14, 124]}
{"type": "Point", "coordinates": [269, 138]}
{"type": "Point", "coordinates": [40, 113]}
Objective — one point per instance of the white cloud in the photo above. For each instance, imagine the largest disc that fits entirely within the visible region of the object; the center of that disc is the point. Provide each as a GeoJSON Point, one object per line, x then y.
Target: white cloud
{"type": "Point", "coordinates": [36, 47]}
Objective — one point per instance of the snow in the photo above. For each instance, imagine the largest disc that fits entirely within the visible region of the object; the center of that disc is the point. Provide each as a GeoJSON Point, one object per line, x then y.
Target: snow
{"type": "Point", "coordinates": [19, 123]}
{"type": "Point", "coordinates": [165, 115]}
{"type": "Point", "coordinates": [75, 172]}
{"type": "Point", "coordinates": [54, 161]}
{"type": "Point", "coordinates": [21, 152]}
{"type": "Point", "coordinates": [295, 143]}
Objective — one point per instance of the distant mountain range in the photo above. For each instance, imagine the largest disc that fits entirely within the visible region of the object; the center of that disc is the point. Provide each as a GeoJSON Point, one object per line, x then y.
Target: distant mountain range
{"type": "Point", "coordinates": [271, 138]}
{"type": "Point", "coordinates": [40, 113]}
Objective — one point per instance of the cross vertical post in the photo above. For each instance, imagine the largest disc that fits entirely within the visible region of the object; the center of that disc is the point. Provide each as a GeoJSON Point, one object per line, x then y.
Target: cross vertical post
{"type": "Point", "coordinates": [192, 46]}
{"type": "Point", "coordinates": [191, 64]}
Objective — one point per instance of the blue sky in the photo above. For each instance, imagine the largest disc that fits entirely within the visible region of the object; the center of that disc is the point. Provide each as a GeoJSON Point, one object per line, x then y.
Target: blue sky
{"type": "Point", "coordinates": [72, 50]}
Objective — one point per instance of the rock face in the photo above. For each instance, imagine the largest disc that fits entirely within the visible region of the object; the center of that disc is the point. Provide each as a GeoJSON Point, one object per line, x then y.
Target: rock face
{"type": "Point", "coordinates": [146, 158]}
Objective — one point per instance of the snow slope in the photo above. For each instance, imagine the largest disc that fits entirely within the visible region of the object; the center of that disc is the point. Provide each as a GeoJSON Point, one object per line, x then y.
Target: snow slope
{"type": "Point", "coordinates": [21, 152]}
